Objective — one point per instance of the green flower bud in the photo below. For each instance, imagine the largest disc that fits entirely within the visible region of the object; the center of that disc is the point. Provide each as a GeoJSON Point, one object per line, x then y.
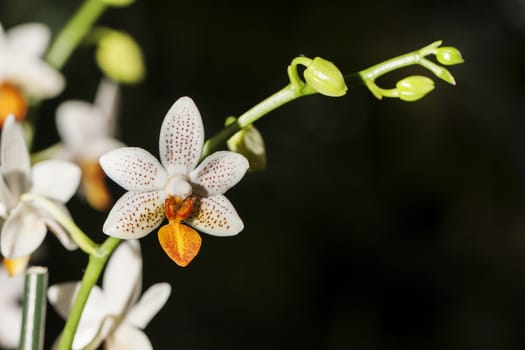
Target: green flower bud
{"type": "Point", "coordinates": [414, 87]}
{"type": "Point", "coordinates": [448, 55]}
{"type": "Point", "coordinates": [118, 3]}
{"type": "Point", "coordinates": [120, 57]}
{"type": "Point", "coordinates": [324, 77]}
{"type": "Point", "coordinates": [248, 142]}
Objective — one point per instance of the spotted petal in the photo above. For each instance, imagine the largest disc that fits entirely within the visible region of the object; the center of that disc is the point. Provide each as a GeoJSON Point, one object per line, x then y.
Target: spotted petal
{"type": "Point", "coordinates": [218, 173]}
{"type": "Point", "coordinates": [22, 233]}
{"type": "Point", "coordinates": [134, 168]}
{"type": "Point", "coordinates": [215, 216]}
{"type": "Point", "coordinates": [135, 215]}
{"type": "Point", "coordinates": [181, 137]}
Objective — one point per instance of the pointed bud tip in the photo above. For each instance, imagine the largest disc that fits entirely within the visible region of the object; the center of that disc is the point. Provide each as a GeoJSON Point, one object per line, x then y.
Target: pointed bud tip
{"type": "Point", "coordinates": [324, 77]}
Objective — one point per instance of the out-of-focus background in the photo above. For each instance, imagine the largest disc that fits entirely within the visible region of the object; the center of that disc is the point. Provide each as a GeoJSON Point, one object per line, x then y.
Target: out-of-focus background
{"type": "Point", "coordinates": [377, 224]}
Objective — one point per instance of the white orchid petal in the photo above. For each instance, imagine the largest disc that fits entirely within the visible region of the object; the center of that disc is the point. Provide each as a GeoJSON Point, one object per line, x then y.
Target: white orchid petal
{"type": "Point", "coordinates": [56, 179]}
{"type": "Point", "coordinates": [134, 168]}
{"type": "Point", "coordinates": [215, 216]}
{"type": "Point", "coordinates": [14, 157]}
{"type": "Point", "coordinates": [127, 337]}
{"type": "Point", "coordinates": [107, 100]}
{"type": "Point", "coordinates": [22, 232]}
{"type": "Point", "coordinates": [34, 76]}
{"type": "Point", "coordinates": [63, 236]}
{"type": "Point", "coordinates": [28, 39]}
{"type": "Point", "coordinates": [7, 199]}
{"type": "Point", "coordinates": [149, 305]}
{"type": "Point", "coordinates": [219, 172]}
{"type": "Point", "coordinates": [181, 136]}
{"type": "Point", "coordinates": [97, 148]}
{"type": "Point", "coordinates": [135, 215]}
{"type": "Point", "coordinates": [123, 274]}
{"type": "Point", "coordinates": [78, 122]}
{"type": "Point", "coordinates": [10, 325]}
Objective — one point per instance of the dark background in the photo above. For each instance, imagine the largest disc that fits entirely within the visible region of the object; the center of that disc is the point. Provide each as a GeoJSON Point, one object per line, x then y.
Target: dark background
{"type": "Point", "coordinates": [377, 224]}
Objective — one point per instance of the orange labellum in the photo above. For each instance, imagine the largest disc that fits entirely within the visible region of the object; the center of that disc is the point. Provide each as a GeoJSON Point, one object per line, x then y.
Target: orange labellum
{"type": "Point", "coordinates": [11, 102]}
{"type": "Point", "coordinates": [94, 185]}
{"type": "Point", "coordinates": [17, 265]}
{"type": "Point", "coordinates": [180, 242]}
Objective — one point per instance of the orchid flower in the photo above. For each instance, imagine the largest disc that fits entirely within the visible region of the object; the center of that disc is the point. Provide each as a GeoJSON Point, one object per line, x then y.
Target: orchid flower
{"type": "Point", "coordinates": [11, 289]}
{"type": "Point", "coordinates": [87, 132]}
{"type": "Point", "coordinates": [26, 222]}
{"type": "Point", "coordinates": [175, 187]}
{"type": "Point", "coordinates": [23, 73]}
{"type": "Point", "coordinates": [114, 314]}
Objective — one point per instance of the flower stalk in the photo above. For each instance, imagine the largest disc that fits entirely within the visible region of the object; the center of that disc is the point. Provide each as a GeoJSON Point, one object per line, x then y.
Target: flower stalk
{"type": "Point", "coordinates": [34, 309]}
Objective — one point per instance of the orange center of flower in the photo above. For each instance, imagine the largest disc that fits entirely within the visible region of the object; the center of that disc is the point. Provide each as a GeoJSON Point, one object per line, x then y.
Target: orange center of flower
{"type": "Point", "coordinates": [11, 102]}
{"type": "Point", "coordinates": [94, 185]}
{"type": "Point", "coordinates": [179, 241]}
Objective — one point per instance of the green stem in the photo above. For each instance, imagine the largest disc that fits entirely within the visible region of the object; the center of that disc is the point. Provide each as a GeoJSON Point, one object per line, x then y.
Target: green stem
{"type": "Point", "coordinates": [96, 264]}
{"type": "Point", "coordinates": [73, 32]}
{"type": "Point", "coordinates": [34, 309]}
{"type": "Point", "coordinates": [80, 238]}
{"type": "Point", "coordinates": [281, 97]}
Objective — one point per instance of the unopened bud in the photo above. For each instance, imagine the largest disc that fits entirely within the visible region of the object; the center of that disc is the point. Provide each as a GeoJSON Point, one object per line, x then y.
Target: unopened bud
{"type": "Point", "coordinates": [414, 87]}
{"type": "Point", "coordinates": [324, 77]}
{"type": "Point", "coordinates": [120, 57]}
{"type": "Point", "coordinates": [248, 142]}
{"type": "Point", "coordinates": [448, 55]}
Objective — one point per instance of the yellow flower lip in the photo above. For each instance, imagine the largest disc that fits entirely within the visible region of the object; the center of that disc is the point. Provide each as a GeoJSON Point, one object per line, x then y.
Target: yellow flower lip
{"type": "Point", "coordinates": [11, 102]}
{"type": "Point", "coordinates": [16, 266]}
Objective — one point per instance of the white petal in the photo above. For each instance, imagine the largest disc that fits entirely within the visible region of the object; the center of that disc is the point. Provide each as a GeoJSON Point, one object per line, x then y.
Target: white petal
{"type": "Point", "coordinates": [134, 168]}
{"type": "Point", "coordinates": [218, 173]}
{"type": "Point", "coordinates": [215, 216]}
{"type": "Point", "coordinates": [12, 287]}
{"type": "Point", "coordinates": [10, 324]}
{"type": "Point", "coordinates": [181, 137]}
{"type": "Point", "coordinates": [22, 233]}
{"type": "Point", "coordinates": [34, 76]}
{"type": "Point", "coordinates": [7, 199]}
{"type": "Point", "coordinates": [135, 215]}
{"type": "Point", "coordinates": [149, 305]}
{"type": "Point", "coordinates": [127, 337]}
{"type": "Point", "coordinates": [78, 123]}
{"type": "Point", "coordinates": [123, 274]}
{"type": "Point", "coordinates": [56, 179]}
{"type": "Point", "coordinates": [14, 157]}
{"type": "Point", "coordinates": [28, 39]}
{"type": "Point", "coordinates": [63, 236]}
{"type": "Point", "coordinates": [97, 147]}
{"type": "Point", "coordinates": [107, 100]}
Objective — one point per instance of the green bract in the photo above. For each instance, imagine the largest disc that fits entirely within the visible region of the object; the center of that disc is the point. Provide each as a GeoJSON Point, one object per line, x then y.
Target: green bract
{"type": "Point", "coordinates": [324, 77]}
{"type": "Point", "coordinates": [448, 55]}
{"type": "Point", "coordinates": [248, 142]}
{"type": "Point", "coordinates": [120, 57]}
{"type": "Point", "coordinates": [414, 87]}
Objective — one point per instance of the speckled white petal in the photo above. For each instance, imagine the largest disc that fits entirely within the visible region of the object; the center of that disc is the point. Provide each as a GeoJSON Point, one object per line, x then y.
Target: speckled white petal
{"type": "Point", "coordinates": [127, 337]}
{"type": "Point", "coordinates": [134, 168]}
{"type": "Point", "coordinates": [218, 173]}
{"type": "Point", "coordinates": [28, 39]}
{"type": "Point", "coordinates": [22, 232]}
{"type": "Point", "coordinates": [181, 137]}
{"type": "Point", "coordinates": [135, 215]}
{"type": "Point", "coordinates": [56, 179]}
{"type": "Point", "coordinates": [215, 216]}
{"type": "Point", "coordinates": [78, 122]}
{"type": "Point", "coordinates": [149, 305]}
{"type": "Point", "coordinates": [34, 76]}
{"type": "Point", "coordinates": [14, 157]}
{"type": "Point", "coordinates": [123, 274]}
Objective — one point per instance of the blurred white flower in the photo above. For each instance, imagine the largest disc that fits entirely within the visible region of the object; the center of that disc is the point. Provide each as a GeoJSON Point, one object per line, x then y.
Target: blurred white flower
{"type": "Point", "coordinates": [114, 314]}
{"type": "Point", "coordinates": [23, 72]}
{"type": "Point", "coordinates": [11, 289]}
{"type": "Point", "coordinates": [26, 223]}
{"type": "Point", "coordinates": [175, 187]}
{"type": "Point", "coordinates": [87, 131]}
